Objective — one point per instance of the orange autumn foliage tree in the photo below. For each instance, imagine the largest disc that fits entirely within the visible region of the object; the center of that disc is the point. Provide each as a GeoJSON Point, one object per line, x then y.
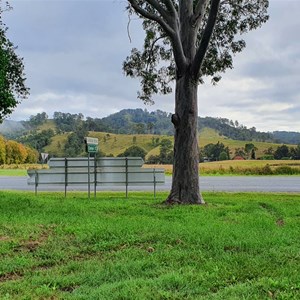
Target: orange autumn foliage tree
{"type": "Point", "coordinates": [12, 152]}
{"type": "Point", "coordinates": [2, 150]}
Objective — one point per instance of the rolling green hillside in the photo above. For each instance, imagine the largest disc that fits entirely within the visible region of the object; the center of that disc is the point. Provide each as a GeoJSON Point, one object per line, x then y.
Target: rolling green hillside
{"type": "Point", "coordinates": [114, 144]}
{"type": "Point", "coordinates": [208, 135]}
{"type": "Point", "coordinates": [64, 134]}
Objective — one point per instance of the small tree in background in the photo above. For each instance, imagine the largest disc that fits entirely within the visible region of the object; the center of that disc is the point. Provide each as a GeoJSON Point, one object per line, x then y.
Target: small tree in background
{"type": "Point", "coordinates": [282, 152]}
{"type": "Point", "coordinates": [216, 152]}
{"type": "Point", "coordinates": [134, 151]}
{"type": "Point", "coordinates": [250, 150]}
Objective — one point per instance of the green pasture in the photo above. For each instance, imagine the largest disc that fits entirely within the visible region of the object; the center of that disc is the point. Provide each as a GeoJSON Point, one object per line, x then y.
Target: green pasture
{"type": "Point", "coordinates": [110, 143]}
{"type": "Point", "coordinates": [237, 246]}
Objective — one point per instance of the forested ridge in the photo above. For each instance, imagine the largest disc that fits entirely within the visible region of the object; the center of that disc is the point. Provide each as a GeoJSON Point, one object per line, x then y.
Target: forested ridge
{"type": "Point", "coordinates": [143, 133]}
{"type": "Point", "coordinates": [139, 121]}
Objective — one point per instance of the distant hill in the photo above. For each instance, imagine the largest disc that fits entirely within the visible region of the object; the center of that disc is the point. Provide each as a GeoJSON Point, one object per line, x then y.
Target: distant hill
{"type": "Point", "coordinates": [287, 137]}
{"type": "Point", "coordinates": [138, 121]}
{"type": "Point", "coordinates": [9, 127]}
{"type": "Point", "coordinates": [114, 144]}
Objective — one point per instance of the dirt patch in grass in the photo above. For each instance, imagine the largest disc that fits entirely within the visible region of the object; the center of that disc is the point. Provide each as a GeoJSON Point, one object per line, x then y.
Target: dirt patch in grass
{"type": "Point", "coordinates": [10, 276]}
{"type": "Point", "coordinates": [32, 244]}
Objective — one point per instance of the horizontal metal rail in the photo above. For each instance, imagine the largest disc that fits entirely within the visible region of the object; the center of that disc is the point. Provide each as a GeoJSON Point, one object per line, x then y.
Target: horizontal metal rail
{"type": "Point", "coordinates": [102, 172]}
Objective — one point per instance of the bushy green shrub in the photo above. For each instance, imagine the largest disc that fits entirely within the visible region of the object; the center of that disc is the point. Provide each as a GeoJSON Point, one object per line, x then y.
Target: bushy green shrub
{"type": "Point", "coordinates": [134, 151]}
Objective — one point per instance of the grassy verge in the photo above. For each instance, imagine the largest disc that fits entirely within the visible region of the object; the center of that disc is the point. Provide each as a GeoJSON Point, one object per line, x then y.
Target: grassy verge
{"type": "Point", "coordinates": [13, 172]}
{"type": "Point", "coordinates": [228, 167]}
{"type": "Point", "coordinates": [238, 246]}
{"type": "Point", "coordinates": [242, 168]}
{"type": "Point", "coordinates": [19, 169]}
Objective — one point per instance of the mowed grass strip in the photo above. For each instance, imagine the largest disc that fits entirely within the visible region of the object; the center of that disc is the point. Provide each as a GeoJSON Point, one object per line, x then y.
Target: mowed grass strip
{"type": "Point", "coordinates": [237, 246]}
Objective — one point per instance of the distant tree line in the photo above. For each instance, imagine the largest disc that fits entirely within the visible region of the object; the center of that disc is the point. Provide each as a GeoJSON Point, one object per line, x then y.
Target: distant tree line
{"type": "Point", "coordinates": [218, 152]}
{"type": "Point", "coordinates": [66, 122]}
{"type": "Point", "coordinates": [283, 152]}
{"type": "Point", "coordinates": [234, 130]}
{"type": "Point", "coordinates": [287, 137]}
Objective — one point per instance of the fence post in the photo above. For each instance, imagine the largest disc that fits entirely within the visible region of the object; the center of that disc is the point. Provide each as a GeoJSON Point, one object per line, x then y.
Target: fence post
{"type": "Point", "coordinates": [95, 176]}
{"type": "Point", "coordinates": [126, 175]}
{"type": "Point", "coordinates": [154, 183]}
{"type": "Point", "coordinates": [36, 182]}
{"type": "Point", "coordinates": [66, 175]}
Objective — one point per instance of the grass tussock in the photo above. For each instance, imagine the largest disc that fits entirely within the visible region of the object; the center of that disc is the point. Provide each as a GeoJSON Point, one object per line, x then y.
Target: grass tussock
{"type": "Point", "coordinates": [237, 246]}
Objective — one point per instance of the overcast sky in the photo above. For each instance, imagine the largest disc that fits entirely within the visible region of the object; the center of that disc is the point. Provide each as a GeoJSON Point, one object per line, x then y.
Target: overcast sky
{"type": "Point", "coordinates": [73, 52]}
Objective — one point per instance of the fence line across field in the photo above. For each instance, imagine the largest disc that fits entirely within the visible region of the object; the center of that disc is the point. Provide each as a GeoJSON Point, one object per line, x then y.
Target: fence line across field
{"type": "Point", "coordinates": [104, 171]}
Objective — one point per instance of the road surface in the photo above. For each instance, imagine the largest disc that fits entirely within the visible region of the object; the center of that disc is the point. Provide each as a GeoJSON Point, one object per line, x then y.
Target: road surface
{"type": "Point", "coordinates": [207, 183]}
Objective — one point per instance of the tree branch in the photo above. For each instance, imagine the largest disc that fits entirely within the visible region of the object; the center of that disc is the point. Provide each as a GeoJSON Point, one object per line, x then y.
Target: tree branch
{"type": "Point", "coordinates": [170, 26]}
{"type": "Point", "coordinates": [169, 31]}
{"type": "Point", "coordinates": [169, 4]}
{"type": "Point", "coordinates": [160, 9]}
{"type": "Point", "coordinates": [207, 34]}
{"type": "Point", "coordinates": [152, 47]}
{"type": "Point", "coordinates": [199, 12]}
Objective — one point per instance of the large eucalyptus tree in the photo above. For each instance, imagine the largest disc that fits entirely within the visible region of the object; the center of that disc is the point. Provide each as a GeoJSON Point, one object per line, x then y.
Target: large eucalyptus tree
{"type": "Point", "coordinates": [188, 41]}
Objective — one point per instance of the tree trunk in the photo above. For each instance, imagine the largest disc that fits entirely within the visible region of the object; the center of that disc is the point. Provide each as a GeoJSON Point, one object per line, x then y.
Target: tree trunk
{"type": "Point", "coordinates": [185, 181]}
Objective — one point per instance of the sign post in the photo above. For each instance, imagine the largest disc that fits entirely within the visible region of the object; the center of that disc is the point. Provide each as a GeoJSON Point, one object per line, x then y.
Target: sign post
{"type": "Point", "coordinates": [91, 144]}
{"type": "Point", "coordinates": [44, 157]}
{"type": "Point", "coordinates": [91, 147]}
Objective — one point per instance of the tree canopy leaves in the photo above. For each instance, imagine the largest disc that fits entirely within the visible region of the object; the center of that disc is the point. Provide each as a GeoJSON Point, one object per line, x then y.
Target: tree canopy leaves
{"type": "Point", "coordinates": [156, 64]}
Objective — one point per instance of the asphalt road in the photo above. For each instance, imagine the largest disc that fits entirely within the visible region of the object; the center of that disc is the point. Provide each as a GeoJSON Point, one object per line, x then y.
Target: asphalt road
{"type": "Point", "coordinates": [223, 183]}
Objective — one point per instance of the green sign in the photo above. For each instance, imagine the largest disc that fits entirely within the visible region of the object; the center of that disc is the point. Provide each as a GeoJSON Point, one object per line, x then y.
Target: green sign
{"type": "Point", "coordinates": [92, 148]}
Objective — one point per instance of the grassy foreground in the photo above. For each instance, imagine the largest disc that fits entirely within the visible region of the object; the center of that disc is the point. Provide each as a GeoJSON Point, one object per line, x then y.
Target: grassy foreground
{"type": "Point", "coordinates": [237, 246]}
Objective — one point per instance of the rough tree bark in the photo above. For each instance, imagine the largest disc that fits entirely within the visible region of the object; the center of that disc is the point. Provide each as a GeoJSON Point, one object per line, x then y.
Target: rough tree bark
{"type": "Point", "coordinates": [185, 181]}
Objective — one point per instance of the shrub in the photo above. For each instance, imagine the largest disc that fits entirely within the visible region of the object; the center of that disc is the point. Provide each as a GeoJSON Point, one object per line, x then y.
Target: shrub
{"type": "Point", "coordinates": [134, 151]}
{"type": "Point", "coordinates": [267, 157]}
{"type": "Point", "coordinates": [286, 170]}
{"type": "Point", "coordinates": [266, 170]}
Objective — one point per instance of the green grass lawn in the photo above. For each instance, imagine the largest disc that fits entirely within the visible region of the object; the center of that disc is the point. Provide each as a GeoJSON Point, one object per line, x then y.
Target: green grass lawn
{"type": "Point", "coordinates": [237, 246]}
{"type": "Point", "coordinates": [13, 172]}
